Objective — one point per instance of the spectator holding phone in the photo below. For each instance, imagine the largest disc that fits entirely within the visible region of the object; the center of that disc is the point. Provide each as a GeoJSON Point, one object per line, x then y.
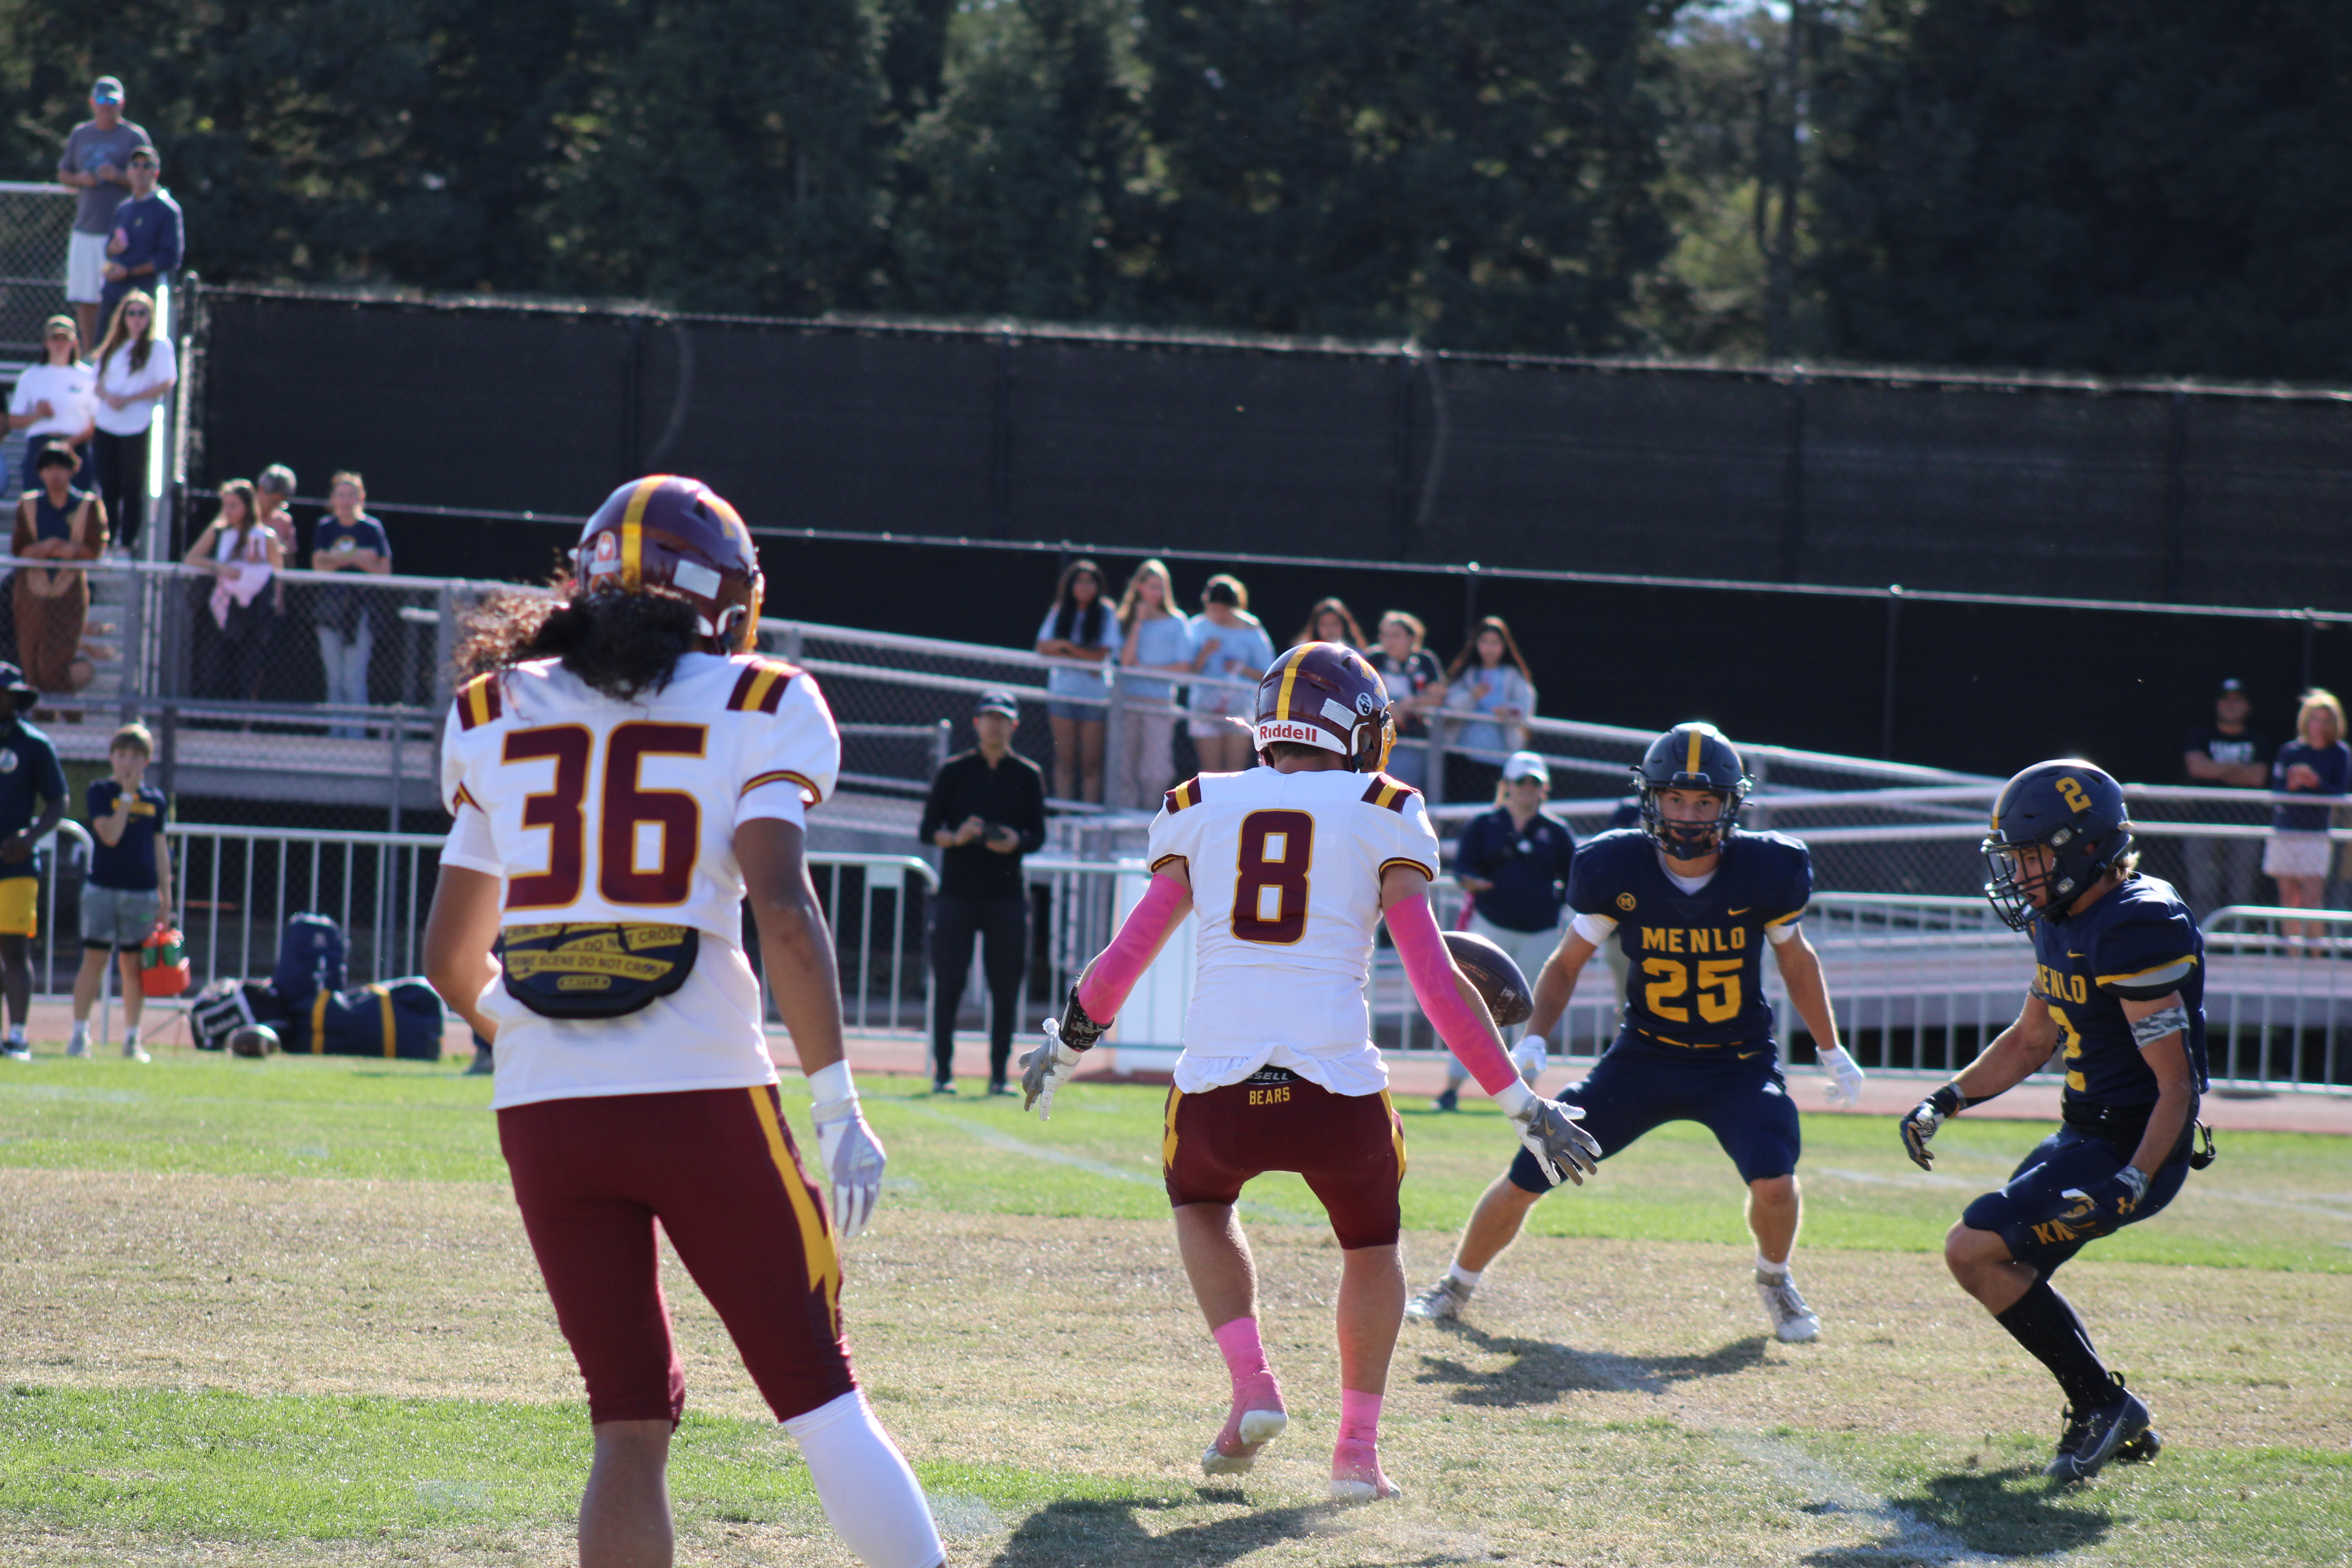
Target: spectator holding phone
{"type": "Point", "coordinates": [348, 540]}
{"type": "Point", "coordinates": [1229, 644]}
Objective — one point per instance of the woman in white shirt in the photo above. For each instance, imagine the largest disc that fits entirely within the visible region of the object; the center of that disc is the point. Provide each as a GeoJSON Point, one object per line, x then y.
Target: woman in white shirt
{"type": "Point", "coordinates": [55, 400]}
{"type": "Point", "coordinates": [136, 372]}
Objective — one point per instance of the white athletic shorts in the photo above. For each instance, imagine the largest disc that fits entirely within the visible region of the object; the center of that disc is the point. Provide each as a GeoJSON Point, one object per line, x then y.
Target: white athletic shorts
{"type": "Point", "coordinates": [86, 269]}
{"type": "Point", "coordinates": [2297, 855]}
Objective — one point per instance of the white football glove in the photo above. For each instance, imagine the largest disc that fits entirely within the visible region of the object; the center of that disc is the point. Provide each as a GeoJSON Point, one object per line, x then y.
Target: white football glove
{"type": "Point", "coordinates": [1844, 1085]}
{"type": "Point", "coordinates": [853, 1156]}
{"type": "Point", "coordinates": [1550, 1132]}
{"type": "Point", "coordinates": [1045, 1069]}
{"type": "Point", "coordinates": [1530, 1058]}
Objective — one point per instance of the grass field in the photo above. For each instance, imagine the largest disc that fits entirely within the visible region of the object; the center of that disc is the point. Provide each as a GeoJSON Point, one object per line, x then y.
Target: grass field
{"type": "Point", "coordinates": [283, 1313]}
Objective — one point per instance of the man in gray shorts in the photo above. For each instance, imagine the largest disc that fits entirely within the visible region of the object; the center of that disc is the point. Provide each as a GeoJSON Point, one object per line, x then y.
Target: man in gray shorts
{"type": "Point", "coordinates": [129, 894]}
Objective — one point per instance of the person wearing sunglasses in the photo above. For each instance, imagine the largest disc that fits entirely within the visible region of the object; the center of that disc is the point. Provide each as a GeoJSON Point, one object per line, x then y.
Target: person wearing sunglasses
{"type": "Point", "coordinates": [148, 236]}
{"type": "Point", "coordinates": [56, 401]}
{"type": "Point", "coordinates": [136, 371]}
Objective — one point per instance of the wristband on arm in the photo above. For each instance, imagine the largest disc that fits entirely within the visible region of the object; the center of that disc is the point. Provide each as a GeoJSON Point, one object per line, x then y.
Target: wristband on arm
{"type": "Point", "coordinates": [1465, 1027]}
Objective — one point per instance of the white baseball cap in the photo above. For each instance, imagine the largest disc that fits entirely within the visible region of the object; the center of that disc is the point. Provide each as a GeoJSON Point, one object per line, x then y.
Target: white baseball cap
{"type": "Point", "coordinates": [1525, 765]}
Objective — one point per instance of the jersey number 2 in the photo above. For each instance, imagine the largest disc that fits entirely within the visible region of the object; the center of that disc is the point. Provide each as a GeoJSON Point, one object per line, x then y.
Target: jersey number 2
{"type": "Point", "coordinates": [1270, 890]}
{"type": "Point", "coordinates": [674, 813]}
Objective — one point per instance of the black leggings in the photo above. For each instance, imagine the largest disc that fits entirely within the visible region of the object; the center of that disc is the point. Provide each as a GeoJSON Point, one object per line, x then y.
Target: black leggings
{"type": "Point", "coordinates": [1005, 953]}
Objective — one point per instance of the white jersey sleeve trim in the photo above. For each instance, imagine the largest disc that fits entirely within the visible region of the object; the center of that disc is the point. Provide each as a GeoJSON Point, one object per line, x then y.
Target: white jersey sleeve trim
{"type": "Point", "coordinates": [1781, 934]}
{"type": "Point", "coordinates": [1594, 929]}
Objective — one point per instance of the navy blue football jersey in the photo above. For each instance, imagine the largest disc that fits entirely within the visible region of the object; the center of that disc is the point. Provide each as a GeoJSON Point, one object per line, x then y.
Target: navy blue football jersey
{"type": "Point", "coordinates": [1694, 971]}
{"type": "Point", "coordinates": [2138, 941]}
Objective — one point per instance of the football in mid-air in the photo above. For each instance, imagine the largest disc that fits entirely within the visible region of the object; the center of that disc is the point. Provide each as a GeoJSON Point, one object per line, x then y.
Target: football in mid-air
{"type": "Point", "coordinates": [1495, 976]}
{"type": "Point", "coordinates": [254, 1040]}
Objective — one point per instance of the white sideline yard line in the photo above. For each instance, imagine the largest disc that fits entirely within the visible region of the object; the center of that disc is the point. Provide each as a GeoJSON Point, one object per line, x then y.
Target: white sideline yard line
{"type": "Point", "coordinates": [1012, 1145]}
{"type": "Point", "coordinates": [1908, 1539]}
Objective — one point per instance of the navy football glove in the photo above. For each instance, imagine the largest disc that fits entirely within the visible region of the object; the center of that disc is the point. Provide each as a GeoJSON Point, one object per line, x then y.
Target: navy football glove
{"type": "Point", "coordinates": [2113, 1203]}
{"type": "Point", "coordinates": [1926, 1117]}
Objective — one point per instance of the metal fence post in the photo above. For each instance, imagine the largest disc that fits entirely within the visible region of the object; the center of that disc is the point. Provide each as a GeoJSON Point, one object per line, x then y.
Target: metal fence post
{"type": "Point", "coordinates": [1115, 723]}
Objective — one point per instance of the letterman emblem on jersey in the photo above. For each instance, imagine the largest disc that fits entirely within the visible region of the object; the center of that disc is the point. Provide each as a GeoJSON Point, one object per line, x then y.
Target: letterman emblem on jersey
{"type": "Point", "coordinates": [1625, 902]}
{"type": "Point", "coordinates": [7, 760]}
{"type": "Point", "coordinates": [596, 971]}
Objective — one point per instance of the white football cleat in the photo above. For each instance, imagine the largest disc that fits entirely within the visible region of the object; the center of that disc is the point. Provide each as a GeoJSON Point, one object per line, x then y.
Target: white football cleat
{"type": "Point", "coordinates": [1356, 1474]}
{"type": "Point", "coordinates": [1253, 1431]}
{"type": "Point", "coordinates": [1792, 1321]}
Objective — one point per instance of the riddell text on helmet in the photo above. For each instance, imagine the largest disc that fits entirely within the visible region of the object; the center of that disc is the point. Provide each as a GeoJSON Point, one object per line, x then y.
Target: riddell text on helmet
{"type": "Point", "coordinates": [1272, 730]}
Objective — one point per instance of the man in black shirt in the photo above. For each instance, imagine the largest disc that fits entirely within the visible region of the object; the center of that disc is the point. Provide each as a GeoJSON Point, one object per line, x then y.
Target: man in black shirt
{"type": "Point", "coordinates": [987, 809]}
{"type": "Point", "coordinates": [2224, 752]}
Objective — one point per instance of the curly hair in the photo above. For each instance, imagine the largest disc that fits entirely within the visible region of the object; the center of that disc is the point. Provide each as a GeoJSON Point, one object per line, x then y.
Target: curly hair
{"type": "Point", "coordinates": [617, 644]}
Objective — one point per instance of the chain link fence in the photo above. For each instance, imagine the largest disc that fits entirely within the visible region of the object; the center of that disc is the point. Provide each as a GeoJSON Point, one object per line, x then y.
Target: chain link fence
{"type": "Point", "coordinates": [35, 223]}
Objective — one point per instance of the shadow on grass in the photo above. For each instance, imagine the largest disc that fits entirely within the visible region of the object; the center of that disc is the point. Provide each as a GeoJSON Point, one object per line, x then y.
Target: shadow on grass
{"type": "Point", "coordinates": [1542, 1371]}
{"type": "Point", "coordinates": [1111, 1531]}
{"type": "Point", "coordinates": [2010, 1512]}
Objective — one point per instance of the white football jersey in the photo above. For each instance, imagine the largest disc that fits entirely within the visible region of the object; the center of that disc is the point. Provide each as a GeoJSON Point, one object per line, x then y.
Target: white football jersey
{"type": "Point", "coordinates": [591, 810]}
{"type": "Point", "coordinates": [1286, 871]}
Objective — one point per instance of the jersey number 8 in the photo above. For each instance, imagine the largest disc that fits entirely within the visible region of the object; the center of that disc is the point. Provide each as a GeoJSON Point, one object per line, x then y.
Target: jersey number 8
{"type": "Point", "coordinates": [674, 814]}
{"type": "Point", "coordinates": [1270, 888]}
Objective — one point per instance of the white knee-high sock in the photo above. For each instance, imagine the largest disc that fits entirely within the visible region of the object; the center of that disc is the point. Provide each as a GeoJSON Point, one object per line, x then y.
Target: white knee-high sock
{"type": "Point", "coordinates": [869, 1493]}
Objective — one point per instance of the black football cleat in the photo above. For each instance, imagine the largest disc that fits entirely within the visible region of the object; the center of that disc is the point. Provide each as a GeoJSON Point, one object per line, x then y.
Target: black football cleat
{"type": "Point", "coordinates": [2092, 1437]}
{"type": "Point", "coordinates": [2140, 1450]}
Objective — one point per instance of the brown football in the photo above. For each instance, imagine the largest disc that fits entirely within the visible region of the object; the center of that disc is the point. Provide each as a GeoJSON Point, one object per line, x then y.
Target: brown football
{"type": "Point", "coordinates": [1495, 976]}
{"type": "Point", "coordinates": [253, 1040]}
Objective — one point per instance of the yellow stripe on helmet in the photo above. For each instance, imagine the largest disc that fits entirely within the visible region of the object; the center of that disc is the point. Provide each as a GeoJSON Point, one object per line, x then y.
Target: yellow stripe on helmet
{"type": "Point", "coordinates": [1289, 679]}
{"type": "Point", "coordinates": [1698, 738]}
{"type": "Point", "coordinates": [632, 533]}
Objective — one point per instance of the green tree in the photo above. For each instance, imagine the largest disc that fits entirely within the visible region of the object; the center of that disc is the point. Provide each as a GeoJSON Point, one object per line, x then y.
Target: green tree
{"type": "Point", "coordinates": [1477, 176]}
{"type": "Point", "coordinates": [2139, 186]}
{"type": "Point", "coordinates": [1013, 187]}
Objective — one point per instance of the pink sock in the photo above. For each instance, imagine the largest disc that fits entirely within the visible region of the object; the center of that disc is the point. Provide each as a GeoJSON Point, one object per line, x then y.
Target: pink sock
{"type": "Point", "coordinates": [1244, 1356]}
{"type": "Point", "coordinates": [1359, 1417]}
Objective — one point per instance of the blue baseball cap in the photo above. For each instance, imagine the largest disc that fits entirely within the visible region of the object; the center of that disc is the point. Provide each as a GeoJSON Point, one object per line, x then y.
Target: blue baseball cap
{"type": "Point", "coordinates": [106, 90]}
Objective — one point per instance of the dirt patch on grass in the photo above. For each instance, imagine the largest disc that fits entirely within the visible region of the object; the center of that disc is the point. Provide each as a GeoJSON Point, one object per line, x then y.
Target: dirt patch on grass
{"type": "Point", "coordinates": [1579, 1392]}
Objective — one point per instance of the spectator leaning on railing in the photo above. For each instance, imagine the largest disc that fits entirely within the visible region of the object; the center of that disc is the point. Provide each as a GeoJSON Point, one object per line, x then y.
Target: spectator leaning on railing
{"type": "Point", "coordinates": [97, 162]}
{"type": "Point", "coordinates": [986, 810]}
{"type": "Point", "coordinates": [1080, 626]}
{"type": "Point", "coordinates": [56, 400]}
{"type": "Point", "coordinates": [1491, 696]}
{"type": "Point", "coordinates": [1156, 642]}
{"type": "Point", "coordinates": [274, 493]}
{"type": "Point", "coordinates": [2316, 761]}
{"type": "Point", "coordinates": [136, 371]}
{"type": "Point", "coordinates": [1416, 684]}
{"type": "Point", "coordinates": [144, 247]}
{"type": "Point", "coordinates": [348, 540]}
{"type": "Point", "coordinates": [2224, 754]}
{"type": "Point", "coordinates": [55, 522]}
{"type": "Point", "coordinates": [232, 626]}
{"type": "Point", "coordinates": [1229, 644]}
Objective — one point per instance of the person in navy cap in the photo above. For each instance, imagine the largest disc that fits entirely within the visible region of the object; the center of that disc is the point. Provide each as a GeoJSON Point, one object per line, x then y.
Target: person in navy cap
{"type": "Point", "coordinates": [32, 803]}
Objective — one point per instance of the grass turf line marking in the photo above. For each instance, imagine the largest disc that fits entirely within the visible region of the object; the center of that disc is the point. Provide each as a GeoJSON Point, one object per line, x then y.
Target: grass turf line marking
{"type": "Point", "coordinates": [1908, 1538]}
{"type": "Point", "coordinates": [1012, 1145]}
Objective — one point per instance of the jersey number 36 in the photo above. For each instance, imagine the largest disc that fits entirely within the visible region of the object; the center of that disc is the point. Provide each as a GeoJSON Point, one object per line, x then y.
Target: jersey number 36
{"type": "Point", "coordinates": [673, 815]}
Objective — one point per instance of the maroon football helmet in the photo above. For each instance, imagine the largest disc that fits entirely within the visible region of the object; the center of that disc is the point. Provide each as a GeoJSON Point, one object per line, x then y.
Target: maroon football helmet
{"type": "Point", "coordinates": [668, 535]}
{"type": "Point", "coordinates": [1322, 694]}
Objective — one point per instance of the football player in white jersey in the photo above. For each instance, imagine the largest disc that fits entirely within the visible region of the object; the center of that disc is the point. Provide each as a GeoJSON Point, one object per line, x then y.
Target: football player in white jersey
{"type": "Point", "coordinates": [1290, 867]}
{"type": "Point", "coordinates": [623, 776]}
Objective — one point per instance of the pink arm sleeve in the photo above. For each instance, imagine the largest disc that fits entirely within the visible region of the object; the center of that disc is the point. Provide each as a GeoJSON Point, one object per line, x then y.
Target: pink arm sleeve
{"type": "Point", "coordinates": [1430, 969]}
{"type": "Point", "coordinates": [1112, 975]}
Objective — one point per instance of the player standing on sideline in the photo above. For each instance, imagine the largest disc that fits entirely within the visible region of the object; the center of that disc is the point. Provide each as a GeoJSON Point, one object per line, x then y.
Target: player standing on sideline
{"type": "Point", "coordinates": [625, 775]}
{"type": "Point", "coordinates": [1692, 900]}
{"type": "Point", "coordinates": [2118, 980]}
{"type": "Point", "coordinates": [1290, 866]}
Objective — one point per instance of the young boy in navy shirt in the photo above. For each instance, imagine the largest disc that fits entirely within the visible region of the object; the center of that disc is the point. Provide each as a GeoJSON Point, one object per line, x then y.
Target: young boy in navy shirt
{"type": "Point", "coordinates": [129, 894]}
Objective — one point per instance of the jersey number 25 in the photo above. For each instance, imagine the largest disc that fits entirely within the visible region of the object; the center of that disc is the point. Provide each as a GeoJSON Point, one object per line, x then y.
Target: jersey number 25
{"type": "Point", "coordinates": [674, 815]}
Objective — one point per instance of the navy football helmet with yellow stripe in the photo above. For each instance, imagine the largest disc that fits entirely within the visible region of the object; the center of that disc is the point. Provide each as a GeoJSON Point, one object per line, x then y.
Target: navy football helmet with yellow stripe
{"type": "Point", "coordinates": [1327, 695]}
{"type": "Point", "coordinates": [1691, 756]}
{"type": "Point", "coordinates": [677, 537]}
{"type": "Point", "coordinates": [2070, 807]}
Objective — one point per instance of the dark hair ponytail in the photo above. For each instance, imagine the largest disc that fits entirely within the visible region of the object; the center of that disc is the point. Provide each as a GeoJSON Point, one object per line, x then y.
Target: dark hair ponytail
{"type": "Point", "coordinates": [617, 644]}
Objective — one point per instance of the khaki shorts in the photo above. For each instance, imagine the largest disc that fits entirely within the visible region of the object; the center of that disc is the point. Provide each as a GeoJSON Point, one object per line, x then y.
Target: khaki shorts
{"type": "Point", "coordinates": [20, 906]}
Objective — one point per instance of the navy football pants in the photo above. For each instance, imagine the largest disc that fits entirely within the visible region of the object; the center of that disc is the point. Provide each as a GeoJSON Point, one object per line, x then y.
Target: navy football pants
{"type": "Point", "coordinates": [2044, 1228]}
{"type": "Point", "coordinates": [1635, 1088]}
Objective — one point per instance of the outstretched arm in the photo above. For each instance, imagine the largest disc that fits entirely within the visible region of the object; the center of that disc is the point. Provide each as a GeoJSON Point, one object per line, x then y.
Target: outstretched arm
{"type": "Point", "coordinates": [1105, 987]}
{"type": "Point", "coordinates": [1458, 1014]}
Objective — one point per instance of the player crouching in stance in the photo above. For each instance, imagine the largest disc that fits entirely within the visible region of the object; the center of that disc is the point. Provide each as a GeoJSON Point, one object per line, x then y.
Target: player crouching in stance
{"type": "Point", "coordinates": [2119, 981]}
{"type": "Point", "coordinates": [1694, 901]}
{"type": "Point", "coordinates": [1290, 867]}
{"type": "Point", "coordinates": [625, 774]}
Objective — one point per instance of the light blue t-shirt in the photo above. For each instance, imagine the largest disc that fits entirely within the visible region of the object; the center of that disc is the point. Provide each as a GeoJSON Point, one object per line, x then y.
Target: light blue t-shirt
{"type": "Point", "coordinates": [1065, 683]}
{"type": "Point", "coordinates": [1505, 687]}
{"type": "Point", "coordinates": [1168, 640]}
{"type": "Point", "coordinates": [1237, 652]}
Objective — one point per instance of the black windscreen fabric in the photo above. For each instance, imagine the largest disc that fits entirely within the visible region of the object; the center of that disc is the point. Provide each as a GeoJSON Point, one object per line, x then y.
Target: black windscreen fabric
{"type": "Point", "coordinates": [1631, 472]}
{"type": "Point", "coordinates": [2269, 509]}
{"type": "Point", "coordinates": [1206, 450]}
{"type": "Point", "coordinates": [1974, 490]}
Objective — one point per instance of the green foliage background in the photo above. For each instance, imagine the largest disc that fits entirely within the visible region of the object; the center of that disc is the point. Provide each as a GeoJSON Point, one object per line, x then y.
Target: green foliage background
{"type": "Point", "coordinates": [2155, 186]}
